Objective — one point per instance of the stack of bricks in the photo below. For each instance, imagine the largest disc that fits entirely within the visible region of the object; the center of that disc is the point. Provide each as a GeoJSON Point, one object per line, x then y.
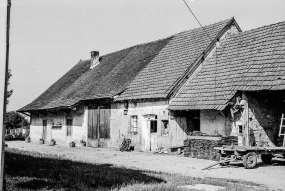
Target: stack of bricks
{"type": "Point", "coordinates": [202, 149]}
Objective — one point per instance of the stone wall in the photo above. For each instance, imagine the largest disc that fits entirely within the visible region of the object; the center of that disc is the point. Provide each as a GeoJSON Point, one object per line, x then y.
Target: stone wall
{"type": "Point", "coordinates": [265, 110]}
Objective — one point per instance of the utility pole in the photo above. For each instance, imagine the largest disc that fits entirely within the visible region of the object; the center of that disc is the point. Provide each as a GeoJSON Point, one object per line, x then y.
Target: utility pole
{"type": "Point", "coordinates": [5, 7]}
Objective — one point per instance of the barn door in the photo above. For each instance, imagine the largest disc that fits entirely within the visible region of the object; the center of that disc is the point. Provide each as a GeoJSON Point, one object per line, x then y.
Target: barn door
{"type": "Point", "coordinates": [44, 135]}
{"type": "Point", "coordinates": [99, 126]}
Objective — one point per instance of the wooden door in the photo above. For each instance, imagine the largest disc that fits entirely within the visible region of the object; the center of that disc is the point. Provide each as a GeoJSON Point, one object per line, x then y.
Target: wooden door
{"type": "Point", "coordinates": [149, 133]}
{"type": "Point", "coordinates": [44, 135]}
{"type": "Point", "coordinates": [99, 126]}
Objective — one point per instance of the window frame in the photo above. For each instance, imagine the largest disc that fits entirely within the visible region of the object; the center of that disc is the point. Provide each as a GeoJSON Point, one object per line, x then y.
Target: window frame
{"type": "Point", "coordinates": [134, 124]}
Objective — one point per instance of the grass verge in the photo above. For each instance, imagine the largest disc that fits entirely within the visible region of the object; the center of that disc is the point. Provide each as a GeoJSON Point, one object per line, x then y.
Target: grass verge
{"type": "Point", "coordinates": [27, 170]}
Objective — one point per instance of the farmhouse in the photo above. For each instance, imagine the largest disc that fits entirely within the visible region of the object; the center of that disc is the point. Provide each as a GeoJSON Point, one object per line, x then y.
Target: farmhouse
{"type": "Point", "coordinates": [126, 93]}
{"type": "Point", "coordinates": [240, 90]}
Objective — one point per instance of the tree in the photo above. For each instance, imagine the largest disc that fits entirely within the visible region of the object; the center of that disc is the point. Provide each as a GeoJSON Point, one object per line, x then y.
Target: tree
{"type": "Point", "coordinates": [15, 120]}
{"type": "Point", "coordinates": [9, 92]}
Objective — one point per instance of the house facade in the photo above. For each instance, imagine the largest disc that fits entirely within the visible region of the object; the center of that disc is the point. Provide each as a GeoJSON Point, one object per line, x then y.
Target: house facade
{"type": "Point", "coordinates": [240, 90]}
{"type": "Point", "coordinates": [127, 94]}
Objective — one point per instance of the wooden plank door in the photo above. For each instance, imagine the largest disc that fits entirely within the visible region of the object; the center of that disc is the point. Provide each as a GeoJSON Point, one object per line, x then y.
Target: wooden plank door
{"type": "Point", "coordinates": [99, 126]}
{"type": "Point", "coordinates": [44, 135]}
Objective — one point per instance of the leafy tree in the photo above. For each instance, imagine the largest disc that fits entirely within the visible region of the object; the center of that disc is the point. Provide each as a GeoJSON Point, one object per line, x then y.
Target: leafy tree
{"type": "Point", "coordinates": [15, 120]}
{"type": "Point", "coordinates": [9, 92]}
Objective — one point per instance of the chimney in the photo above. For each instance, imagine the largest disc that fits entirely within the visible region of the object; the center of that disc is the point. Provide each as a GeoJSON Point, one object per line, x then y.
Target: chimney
{"type": "Point", "coordinates": [94, 59]}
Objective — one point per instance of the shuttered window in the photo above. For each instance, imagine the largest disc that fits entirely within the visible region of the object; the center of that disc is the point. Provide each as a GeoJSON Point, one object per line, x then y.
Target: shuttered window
{"type": "Point", "coordinates": [134, 124]}
{"type": "Point", "coordinates": [69, 127]}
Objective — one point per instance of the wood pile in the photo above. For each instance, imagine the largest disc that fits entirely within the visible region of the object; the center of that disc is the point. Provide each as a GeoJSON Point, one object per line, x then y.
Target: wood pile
{"type": "Point", "coordinates": [203, 148]}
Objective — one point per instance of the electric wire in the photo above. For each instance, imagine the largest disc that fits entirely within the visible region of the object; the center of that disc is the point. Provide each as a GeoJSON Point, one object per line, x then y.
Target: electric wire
{"type": "Point", "coordinates": [216, 54]}
{"type": "Point", "coordinates": [197, 20]}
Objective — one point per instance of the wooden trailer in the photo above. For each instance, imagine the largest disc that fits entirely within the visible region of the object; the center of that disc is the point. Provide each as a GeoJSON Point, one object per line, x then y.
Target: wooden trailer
{"type": "Point", "coordinates": [248, 154]}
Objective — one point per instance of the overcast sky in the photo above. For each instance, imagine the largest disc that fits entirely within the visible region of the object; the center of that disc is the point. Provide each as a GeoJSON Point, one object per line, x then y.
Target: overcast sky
{"type": "Point", "coordinates": [48, 37]}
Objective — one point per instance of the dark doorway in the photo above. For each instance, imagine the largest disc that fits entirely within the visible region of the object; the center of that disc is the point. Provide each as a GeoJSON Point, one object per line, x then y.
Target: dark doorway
{"type": "Point", "coordinates": [193, 120]}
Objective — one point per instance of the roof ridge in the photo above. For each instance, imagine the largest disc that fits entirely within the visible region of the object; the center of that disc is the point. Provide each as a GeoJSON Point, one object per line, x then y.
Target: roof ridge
{"type": "Point", "coordinates": [199, 28]}
{"type": "Point", "coordinates": [258, 28]}
{"type": "Point", "coordinates": [141, 44]}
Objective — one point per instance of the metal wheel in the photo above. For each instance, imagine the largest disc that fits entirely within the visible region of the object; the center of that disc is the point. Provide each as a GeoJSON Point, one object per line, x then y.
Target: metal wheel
{"type": "Point", "coordinates": [266, 159]}
{"type": "Point", "coordinates": [250, 160]}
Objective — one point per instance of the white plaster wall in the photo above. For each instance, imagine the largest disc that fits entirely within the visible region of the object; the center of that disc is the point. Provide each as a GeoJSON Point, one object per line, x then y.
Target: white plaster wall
{"type": "Point", "coordinates": [36, 133]}
{"type": "Point", "coordinates": [120, 123]}
{"type": "Point", "coordinates": [213, 120]}
{"type": "Point", "coordinates": [79, 129]}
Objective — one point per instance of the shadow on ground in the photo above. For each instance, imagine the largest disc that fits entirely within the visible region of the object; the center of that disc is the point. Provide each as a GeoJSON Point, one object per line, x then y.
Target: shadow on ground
{"type": "Point", "coordinates": [35, 171]}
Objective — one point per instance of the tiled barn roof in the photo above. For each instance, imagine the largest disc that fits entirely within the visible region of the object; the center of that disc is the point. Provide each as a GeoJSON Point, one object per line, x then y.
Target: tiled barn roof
{"type": "Point", "coordinates": [158, 78]}
{"type": "Point", "coordinates": [148, 70]}
{"type": "Point", "coordinates": [249, 61]}
{"type": "Point", "coordinates": [109, 78]}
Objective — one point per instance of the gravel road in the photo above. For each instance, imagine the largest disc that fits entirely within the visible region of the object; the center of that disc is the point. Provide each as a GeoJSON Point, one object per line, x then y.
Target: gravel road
{"type": "Point", "coordinates": [271, 176]}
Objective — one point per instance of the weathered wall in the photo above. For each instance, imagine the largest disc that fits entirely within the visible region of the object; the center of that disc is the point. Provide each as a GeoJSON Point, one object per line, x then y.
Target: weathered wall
{"type": "Point", "coordinates": [178, 129]}
{"type": "Point", "coordinates": [265, 110]}
{"type": "Point", "coordinates": [120, 123]}
{"type": "Point", "coordinates": [79, 128]}
{"type": "Point", "coordinates": [213, 120]}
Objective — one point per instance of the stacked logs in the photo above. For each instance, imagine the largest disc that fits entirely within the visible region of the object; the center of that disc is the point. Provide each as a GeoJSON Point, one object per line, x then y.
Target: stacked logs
{"type": "Point", "coordinates": [202, 149]}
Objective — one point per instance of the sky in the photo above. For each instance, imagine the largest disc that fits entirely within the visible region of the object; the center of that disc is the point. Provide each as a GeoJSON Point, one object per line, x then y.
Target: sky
{"type": "Point", "coordinates": [48, 37]}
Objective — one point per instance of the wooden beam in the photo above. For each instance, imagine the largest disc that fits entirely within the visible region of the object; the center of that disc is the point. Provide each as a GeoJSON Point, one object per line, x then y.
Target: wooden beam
{"type": "Point", "coordinates": [34, 113]}
{"type": "Point", "coordinates": [49, 111]}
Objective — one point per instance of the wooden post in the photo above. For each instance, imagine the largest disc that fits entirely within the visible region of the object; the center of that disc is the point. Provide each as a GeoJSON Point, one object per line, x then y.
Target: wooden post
{"type": "Point", "coordinates": [4, 59]}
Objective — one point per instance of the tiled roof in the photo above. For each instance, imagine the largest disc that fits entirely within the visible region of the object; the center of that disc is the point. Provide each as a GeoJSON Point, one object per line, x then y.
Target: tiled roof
{"type": "Point", "coordinates": [109, 78]}
{"type": "Point", "coordinates": [249, 61]}
{"type": "Point", "coordinates": [158, 78]}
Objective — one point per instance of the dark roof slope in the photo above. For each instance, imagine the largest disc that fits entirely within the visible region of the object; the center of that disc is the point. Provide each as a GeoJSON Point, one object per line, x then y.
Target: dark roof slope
{"type": "Point", "coordinates": [157, 79]}
{"type": "Point", "coordinates": [249, 61]}
{"type": "Point", "coordinates": [115, 72]}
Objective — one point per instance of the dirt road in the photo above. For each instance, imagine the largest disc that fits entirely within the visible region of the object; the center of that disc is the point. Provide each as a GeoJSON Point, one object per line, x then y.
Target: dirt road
{"type": "Point", "coordinates": [272, 176]}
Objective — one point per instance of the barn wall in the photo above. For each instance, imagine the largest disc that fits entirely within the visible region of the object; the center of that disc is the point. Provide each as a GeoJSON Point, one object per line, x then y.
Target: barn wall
{"type": "Point", "coordinates": [265, 110]}
{"type": "Point", "coordinates": [213, 120]}
{"type": "Point", "coordinates": [120, 123]}
{"type": "Point", "coordinates": [178, 129]}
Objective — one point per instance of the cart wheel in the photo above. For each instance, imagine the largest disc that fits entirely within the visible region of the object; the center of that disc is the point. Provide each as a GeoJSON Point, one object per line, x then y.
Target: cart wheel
{"type": "Point", "coordinates": [250, 160]}
{"type": "Point", "coordinates": [266, 159]}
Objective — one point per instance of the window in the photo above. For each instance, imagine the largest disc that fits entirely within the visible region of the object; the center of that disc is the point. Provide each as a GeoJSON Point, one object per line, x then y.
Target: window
{"type": "Point", "coordinates": [240, 129]}
{"type": "Point", "coordinates": [69, 127]}
{"type": "Point", "coordinates": [134, 124]}
{"type": "Point", "coordinates": [153, 126]}
{"type": "Point", "coordinates": [164, 128]}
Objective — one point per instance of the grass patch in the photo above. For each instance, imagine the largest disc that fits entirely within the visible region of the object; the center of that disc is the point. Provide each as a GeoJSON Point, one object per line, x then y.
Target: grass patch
{"type": "Point", "coordinates": [35, 171]}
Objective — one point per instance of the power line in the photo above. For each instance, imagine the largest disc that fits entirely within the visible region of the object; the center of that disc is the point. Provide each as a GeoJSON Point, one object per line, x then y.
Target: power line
{"type": "Point", "coordinates": [198, 20]}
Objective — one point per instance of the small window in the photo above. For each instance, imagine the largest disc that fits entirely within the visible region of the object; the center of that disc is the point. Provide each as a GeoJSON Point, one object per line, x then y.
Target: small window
{"type": "Point", "coordinates": [134, 124]}
{"type": "Point", "coordinates": [240, 128]}
{"type": "Point", "coordinates": [69, 127]}
{"type": "Point", "coordinates": [153, 126]}
{"type": "Point", "coordinates": [164, 128]}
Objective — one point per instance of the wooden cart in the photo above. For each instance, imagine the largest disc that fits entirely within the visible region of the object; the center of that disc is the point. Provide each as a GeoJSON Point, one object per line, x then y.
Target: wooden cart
{"type": "Point", "coordinates": [248, 154]}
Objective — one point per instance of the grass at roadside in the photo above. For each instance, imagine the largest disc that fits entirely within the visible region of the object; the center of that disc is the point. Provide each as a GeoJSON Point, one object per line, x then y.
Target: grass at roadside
{"type": "Point", "coordinates": [35, 171]}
